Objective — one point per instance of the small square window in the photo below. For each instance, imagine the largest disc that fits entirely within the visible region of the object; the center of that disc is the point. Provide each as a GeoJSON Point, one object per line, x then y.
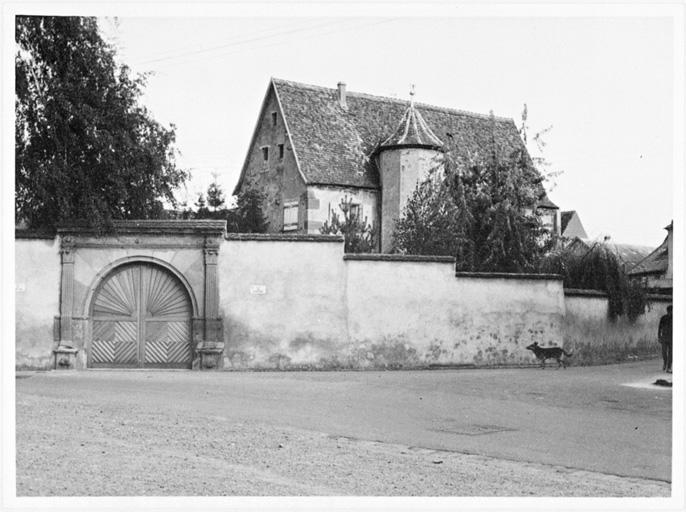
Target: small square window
{"type": "Point", "coordinates": [273, 118]}
{"type": "Point", "coordinates": [265, 153]}
{"type": "Point", "coordinates": [280, 151]}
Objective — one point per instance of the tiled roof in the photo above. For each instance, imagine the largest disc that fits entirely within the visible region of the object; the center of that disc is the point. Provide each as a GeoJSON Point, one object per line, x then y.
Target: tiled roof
{"type": "Point", "coordinates": [630, 254]}
{"type": "Point", "coordinates": [656, 262]}
{"type": "Point", "coordinates": [333, 144]}
{"type": "Point", "coordinates": [545, 202]}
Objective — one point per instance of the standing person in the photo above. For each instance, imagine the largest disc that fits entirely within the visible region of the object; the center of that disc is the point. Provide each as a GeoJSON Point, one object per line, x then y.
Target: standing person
{"type": "Point", "coordinates": [664, 336]}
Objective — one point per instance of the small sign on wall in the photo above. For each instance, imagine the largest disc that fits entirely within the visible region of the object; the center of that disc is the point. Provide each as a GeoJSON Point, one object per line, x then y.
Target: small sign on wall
{"type": "Point", "coordinates": [20, 287]}
{"type": "Point", "coordinates": [258, 289]}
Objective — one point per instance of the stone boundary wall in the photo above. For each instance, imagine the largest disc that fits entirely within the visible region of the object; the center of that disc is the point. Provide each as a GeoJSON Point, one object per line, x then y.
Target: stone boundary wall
{"type": "Point", "coordinates": [420, 314]}
{"type": "Point", "coordinates": [299, 302]}
{"type": "Point", "coordinates": [37, 299]}
{"type": "Point", "coordinates": [595, 339]}
{"type": "Point", "coordinates": [310, 306]}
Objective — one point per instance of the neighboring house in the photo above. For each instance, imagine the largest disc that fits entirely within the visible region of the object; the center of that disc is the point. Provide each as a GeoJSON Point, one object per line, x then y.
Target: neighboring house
{"type": "Point", "coordinates": [570, 225]}
{"type": "Point", "coordinates": [314, 147]}
{"type": "Point", "coordinates": [656, 269]}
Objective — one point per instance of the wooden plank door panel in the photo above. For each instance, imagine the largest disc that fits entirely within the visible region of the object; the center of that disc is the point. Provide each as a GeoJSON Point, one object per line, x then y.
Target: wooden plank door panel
{"type": "Point", "coordinates": [141, 317]}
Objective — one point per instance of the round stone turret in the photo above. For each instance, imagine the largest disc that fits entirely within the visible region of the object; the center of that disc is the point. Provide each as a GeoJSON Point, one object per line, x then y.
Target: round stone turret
{"type": "Point", "coordinates": [405, 159]}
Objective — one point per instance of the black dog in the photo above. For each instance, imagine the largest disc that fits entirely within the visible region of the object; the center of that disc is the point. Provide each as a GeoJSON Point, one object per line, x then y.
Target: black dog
{"type": "Point", "coordinates": [544, 353]}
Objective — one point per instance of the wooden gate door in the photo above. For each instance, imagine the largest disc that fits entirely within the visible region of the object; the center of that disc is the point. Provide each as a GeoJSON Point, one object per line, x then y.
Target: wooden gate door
{"type": "Point", "coordinates": [141, 318]}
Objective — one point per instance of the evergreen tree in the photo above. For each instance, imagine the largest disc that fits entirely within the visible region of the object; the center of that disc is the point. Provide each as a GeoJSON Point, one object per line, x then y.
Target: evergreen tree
{"type": "Point", "coordinates": [85, 147]}
{"type": "Point", "coordinates": [430, 220]}
{"type": "Point", "coordinates": [359, 235]}
{"type": "Point", "coordinates": [483, 213]}
{"type": "Point", "coordinates": [201, 212]}
{"type": "Point", "coordinates": [248, 216]}
{"type": "Point", "coordinates": [215, 196]}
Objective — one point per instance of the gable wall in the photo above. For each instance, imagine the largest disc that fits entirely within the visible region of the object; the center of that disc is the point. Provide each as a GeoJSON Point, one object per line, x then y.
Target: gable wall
{"type": "Point", "coordinates": [278, 180]}
{"type": "Point", "coordinates": [574, 228]}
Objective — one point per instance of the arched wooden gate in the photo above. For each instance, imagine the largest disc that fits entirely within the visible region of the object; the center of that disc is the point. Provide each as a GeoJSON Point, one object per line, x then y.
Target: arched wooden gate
{"type": "Point", "coordinates": [141, 317]}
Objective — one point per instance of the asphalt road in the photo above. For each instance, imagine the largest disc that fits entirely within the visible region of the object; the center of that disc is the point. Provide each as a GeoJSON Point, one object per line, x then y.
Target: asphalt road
{"type": "Point", "coordinates": [582, 419]}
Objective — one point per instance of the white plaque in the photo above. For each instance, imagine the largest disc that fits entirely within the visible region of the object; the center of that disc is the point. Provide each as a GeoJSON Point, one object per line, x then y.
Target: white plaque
{"type": "Point", "coordinates": [258, 289]}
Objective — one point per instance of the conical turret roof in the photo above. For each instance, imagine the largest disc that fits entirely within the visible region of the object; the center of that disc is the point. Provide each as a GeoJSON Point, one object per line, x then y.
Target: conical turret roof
{"type": "Point", "coordinates": [412, 131]}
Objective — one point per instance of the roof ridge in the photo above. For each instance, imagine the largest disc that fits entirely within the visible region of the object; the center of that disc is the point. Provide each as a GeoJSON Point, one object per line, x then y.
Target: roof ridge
{"type": "Point", "coordinates": [624, 244]}
{"type": "Point", "coordinates": [388, 99]}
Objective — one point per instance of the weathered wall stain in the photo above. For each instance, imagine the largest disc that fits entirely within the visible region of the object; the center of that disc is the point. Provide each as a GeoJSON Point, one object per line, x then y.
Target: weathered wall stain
{"type": "Point", "coordinates": [301, 306]}
{"type": "Point", "coordinates": [595, 339]}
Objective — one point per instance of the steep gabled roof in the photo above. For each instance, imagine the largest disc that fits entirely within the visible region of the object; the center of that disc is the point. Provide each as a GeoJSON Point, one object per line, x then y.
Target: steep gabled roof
{"type": "Point", "coordinates": [333, 145]}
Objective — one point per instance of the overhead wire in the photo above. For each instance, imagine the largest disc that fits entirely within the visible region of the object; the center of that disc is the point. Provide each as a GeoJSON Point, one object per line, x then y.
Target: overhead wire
{"type": "Point", "coordinates": [278, 43]}
{"type": "Point", "coordinates": [170, 53]}
{"type": "Point", "coordinates": [234, 43]}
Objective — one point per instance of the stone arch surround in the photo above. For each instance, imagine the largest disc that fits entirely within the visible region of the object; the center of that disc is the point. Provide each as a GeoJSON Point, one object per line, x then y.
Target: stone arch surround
{"type": "Point", "coordinates": [187, 249]}
{"type": "Point", "coordinates": [105, 272]}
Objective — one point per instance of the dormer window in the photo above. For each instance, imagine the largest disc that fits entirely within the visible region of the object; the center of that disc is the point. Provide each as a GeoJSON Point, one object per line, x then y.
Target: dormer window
{"type": "Point", "coordinates": [273, 118]}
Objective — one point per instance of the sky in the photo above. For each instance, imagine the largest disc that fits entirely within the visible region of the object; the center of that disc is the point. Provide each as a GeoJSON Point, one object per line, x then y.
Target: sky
{"type": "Point", "coordinates": [605, 85]}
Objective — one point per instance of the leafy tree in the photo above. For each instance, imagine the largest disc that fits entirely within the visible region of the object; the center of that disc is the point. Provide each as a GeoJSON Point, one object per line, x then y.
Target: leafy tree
{"type": "Point", "coordinates": [483, 213]}
{"type": "Point", "coordinates": [359, 235]}
{"type": "Point", "coordinates": [430, 220]}
{"type": "Point", "coordinates": [215, 196]}
{"type": "Point", "coordinates": [599, 268]}
{"type": "Point", "coordinates": [85, 147]}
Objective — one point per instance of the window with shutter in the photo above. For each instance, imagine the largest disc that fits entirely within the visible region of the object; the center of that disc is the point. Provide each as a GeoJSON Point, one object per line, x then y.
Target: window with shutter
{"type": "Point", "coordinates": [290, 216]}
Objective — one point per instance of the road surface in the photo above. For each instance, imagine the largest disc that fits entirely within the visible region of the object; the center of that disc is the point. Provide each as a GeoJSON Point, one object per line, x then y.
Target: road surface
{"type": "Point", "coordinates": [587, 431]}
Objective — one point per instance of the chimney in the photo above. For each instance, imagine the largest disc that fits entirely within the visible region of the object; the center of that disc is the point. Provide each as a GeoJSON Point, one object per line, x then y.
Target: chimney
{"type": "Point", "coordinates": [341, 95]}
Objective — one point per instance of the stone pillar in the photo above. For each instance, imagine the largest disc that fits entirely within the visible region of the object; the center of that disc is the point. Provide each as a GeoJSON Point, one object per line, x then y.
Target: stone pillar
{"type": "Point", "coordinates": [211, 348]}
{"type": "Point", "coordinates": [211, 290]}
{"type": "Point", "coordinates": [65, 353]}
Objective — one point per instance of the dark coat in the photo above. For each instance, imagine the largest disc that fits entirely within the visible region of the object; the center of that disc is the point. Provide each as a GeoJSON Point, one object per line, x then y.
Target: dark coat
{"type": "Point", "coordinates": [664, 332]}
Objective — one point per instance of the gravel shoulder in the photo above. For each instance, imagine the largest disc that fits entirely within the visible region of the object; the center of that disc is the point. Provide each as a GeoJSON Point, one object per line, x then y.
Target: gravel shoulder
{"type": "Point", "coordinates": [78, 446]}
